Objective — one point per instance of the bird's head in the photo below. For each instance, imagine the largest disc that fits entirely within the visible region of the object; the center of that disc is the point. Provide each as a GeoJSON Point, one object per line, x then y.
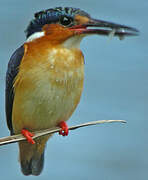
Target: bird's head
{"type": "Point", "coordinates": [71, 25]}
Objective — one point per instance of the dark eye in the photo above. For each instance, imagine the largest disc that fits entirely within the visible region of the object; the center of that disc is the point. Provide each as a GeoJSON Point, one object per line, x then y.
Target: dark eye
{"type": "Point", "coordinates": [65, 21]}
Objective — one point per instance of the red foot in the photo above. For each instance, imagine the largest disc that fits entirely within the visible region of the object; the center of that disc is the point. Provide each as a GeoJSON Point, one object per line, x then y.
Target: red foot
{"type": "Point", "coordinates": [28, 135]}
{"type": "Point", "coordinates": [64, 131]}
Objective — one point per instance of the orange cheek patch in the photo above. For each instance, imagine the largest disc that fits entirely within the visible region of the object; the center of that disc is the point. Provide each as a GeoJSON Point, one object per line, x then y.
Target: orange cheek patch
{"type": "Point", "coordinates": [57, 32]}
{"type": "Point", "coordinates": [81, 19]}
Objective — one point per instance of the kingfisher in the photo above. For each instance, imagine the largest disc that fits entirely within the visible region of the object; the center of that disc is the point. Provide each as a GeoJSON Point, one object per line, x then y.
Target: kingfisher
{"type": "Point", "coordinates": [44, 79]}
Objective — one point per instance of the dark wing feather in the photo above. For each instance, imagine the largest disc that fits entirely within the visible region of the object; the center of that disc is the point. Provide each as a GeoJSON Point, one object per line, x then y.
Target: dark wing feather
{"type": "Point", "coordinates": [12, 71]}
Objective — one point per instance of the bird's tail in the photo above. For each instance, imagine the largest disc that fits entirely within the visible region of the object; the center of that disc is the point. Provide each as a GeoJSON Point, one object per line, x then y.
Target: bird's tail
{"type": "Point", "coordinates": [32, 157]}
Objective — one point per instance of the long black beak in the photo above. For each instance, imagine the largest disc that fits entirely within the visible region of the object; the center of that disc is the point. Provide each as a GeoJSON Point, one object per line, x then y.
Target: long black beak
{"type": "Point", "coordinates": [107, 28]}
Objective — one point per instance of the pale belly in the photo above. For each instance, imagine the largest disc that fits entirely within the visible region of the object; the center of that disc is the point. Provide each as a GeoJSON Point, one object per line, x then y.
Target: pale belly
{"type": "Point", "coordinates": [44, 103]}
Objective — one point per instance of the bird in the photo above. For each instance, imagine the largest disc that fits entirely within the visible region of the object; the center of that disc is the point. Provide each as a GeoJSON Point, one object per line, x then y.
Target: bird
{"type": "Point", "coordinates": [45, 75]}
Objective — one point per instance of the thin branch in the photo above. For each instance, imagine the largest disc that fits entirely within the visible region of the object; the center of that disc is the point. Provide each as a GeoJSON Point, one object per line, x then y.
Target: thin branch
{"type": "Point", "coordinates": [20, 137]}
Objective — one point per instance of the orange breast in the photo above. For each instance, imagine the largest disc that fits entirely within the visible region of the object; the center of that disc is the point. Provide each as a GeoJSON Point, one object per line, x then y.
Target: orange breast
{"type": "Point", "coordinates": [48, 86]}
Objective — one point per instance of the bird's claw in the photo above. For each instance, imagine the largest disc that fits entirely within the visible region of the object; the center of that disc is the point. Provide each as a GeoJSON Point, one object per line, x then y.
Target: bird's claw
{"type": "Point", "coordinates": [28, 135]}
{"type": "Point", "coordinates": [64, 128]}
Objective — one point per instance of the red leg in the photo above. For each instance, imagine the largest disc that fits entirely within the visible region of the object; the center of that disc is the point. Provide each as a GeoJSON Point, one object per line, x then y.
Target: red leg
{"type": "Point", "coordinates": [28, 135]}
{"type": "Point", "coordinates": [64, 131]}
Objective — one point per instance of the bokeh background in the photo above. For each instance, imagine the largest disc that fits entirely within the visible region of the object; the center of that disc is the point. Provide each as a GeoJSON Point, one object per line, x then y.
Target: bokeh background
{"type": "Point", "coordinates": [116, 87]}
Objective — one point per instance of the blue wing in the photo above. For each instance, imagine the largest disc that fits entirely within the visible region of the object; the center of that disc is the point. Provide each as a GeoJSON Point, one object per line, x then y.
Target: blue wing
{"type": "Point", "coordinates": [13, 67]}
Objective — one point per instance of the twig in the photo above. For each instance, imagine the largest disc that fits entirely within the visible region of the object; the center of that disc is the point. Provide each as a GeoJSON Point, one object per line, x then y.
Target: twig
{"type": "Point", "coordinates": [20, 137]}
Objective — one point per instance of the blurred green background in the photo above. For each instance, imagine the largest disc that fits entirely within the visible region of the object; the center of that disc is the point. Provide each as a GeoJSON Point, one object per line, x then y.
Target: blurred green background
{"type": "Point", "coordinates": [116, 87]}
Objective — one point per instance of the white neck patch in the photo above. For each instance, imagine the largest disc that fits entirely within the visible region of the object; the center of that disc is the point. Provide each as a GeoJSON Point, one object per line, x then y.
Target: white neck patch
{"type": "Point", "coordinates": [35, 36]}
{"type": "Point", "coordinates": [73, 42]}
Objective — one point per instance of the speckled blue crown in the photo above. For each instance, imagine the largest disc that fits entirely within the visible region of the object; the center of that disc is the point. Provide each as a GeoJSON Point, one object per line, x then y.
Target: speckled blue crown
{"type": "Point", "coordinates": [51, 16]}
